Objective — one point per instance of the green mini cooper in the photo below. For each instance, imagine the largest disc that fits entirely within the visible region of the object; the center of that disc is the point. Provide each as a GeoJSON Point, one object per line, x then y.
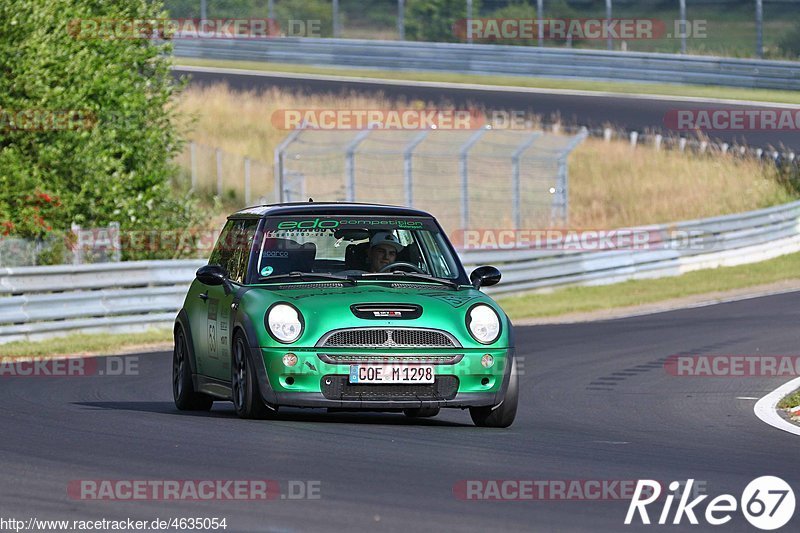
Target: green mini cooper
{"type": "Point", "coordinates": [347, 307]}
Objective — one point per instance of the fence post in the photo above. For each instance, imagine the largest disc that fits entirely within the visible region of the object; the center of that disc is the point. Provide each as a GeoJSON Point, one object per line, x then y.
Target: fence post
{"type": "Point", "coordinates": [463, 170]}
{"type": "Point", "coordinates": [77, 251]}
{"type": "Point", "coordinates": [193, 162]}
{"type": "Point", "coordinates": [515, 181]}
{"type": "Point", "coordinates": [219, 172]}
{"type": "Point", "coordinates": [401, 20]}
{"type": "Point", "coordinates": [540, 23]}
{"type": "Point", "coordinates": [336, 18]}
{"type": "Point", "coordinates": [759, 28]}
{"type": "Point", "coordinates": [408, 175]}
{"type": "Point", "coordinates": [350, 165]}
{"type": "Point", "coordinates": [609, 44]}
{"type": "Point", "coordinates": [278, 167]}
{"type": "Point", "coordinates": [683, 25]}
{"type": "Point", "coordinates": [116, 240]}
{"type": "Point", "coordinates": [246, 181]}
{"type": "Point", "coordinates": [657, 142]}
{"type": "Point", "coordinates": [634, 138]}
{"type": "Point", "coordinates": [469, 21]}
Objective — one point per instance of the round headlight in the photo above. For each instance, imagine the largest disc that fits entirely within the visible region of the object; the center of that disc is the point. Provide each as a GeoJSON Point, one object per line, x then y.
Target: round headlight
{"type": "Point", "coordinates": [483, 323]}
{"type": "Point", "coordinates": [284, 323]}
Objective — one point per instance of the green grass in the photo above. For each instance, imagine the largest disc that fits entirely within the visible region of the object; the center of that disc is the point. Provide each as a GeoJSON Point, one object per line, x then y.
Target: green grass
{"type": "Point", "coordinates": [793, 400]}
{"type": "Point", "coordinates": [84, 344]}
{"type": "Point", "coordinates": [759, 95]}
{"type": "Point", "coordinates": [637, 292]}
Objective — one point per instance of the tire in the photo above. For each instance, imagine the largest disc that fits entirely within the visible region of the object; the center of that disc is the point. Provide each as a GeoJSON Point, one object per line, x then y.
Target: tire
{"type": "Point", "coordinates": [503, 414]}
{"type": "Point", "coordinates": [186, 399]}
{"type": "Point", "coordinates": [421, 412]}
{"type": "Point", "coordinates": [246, 397]}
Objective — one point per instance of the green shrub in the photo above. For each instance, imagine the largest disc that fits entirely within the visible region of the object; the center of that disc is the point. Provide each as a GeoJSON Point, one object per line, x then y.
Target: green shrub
{"type": "Point", "coordinates": [110, 158]}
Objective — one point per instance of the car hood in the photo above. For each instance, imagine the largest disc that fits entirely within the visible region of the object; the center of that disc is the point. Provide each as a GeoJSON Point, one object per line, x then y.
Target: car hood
{"type": "Point", "coordinates": [326, 308]}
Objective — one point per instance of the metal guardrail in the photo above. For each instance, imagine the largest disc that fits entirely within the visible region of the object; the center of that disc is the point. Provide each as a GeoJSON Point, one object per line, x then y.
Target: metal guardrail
{"type": "Point", "coordinates": [34, 303]}
{"type": "Point", "coordinates": [502, 60]}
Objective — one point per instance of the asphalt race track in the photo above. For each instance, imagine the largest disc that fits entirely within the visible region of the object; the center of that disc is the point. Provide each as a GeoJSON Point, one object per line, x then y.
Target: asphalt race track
{"type": "Point", "coordinates": [596, 404]}
{"type": "Point", "coordinates": [633, 114]}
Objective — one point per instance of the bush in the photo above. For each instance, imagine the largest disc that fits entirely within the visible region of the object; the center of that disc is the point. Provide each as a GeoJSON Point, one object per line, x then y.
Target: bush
{"type": "Point", "coordinates": [86, 122]}
{"type": "Point", "coordinates": [790, 43]}
{"type": "Point", "coordinates": [434, 20]}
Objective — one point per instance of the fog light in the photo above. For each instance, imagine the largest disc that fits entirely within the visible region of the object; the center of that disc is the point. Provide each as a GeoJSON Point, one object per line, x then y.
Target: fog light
{"type": "Point", "coordinates": [487, 361]}
{"type": "Point", "coordinates": [290, 359]}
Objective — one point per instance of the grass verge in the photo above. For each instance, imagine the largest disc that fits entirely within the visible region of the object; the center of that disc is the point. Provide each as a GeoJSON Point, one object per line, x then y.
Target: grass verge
{"type": "Point", "coordinates": [86, 344]}
{"type": "Point", "coordinates": [638, 292]}
{"type": "Point", "coordinates": [793, 400]}
{"type": "Point", "coordinates": [662, 89]}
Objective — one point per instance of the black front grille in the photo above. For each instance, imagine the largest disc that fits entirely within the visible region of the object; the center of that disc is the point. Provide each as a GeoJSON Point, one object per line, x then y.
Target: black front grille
{"type": "Point", "coordinates": [339, 388]}
{"type": "Point", "coordinates": [430, 359]}
{"type": "Point", "coordinates": [381, 337]}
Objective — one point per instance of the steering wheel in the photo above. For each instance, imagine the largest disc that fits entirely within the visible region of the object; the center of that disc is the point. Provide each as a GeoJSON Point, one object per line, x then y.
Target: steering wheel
{"type": "Point", "coordinates": [401, 265]}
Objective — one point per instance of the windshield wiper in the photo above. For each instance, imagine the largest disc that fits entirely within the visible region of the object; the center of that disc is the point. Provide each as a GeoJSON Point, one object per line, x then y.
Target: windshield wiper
{"type": "Point", "coordinates": [307, 276]}
{"type": "Point", "coordinates": [412, 275]}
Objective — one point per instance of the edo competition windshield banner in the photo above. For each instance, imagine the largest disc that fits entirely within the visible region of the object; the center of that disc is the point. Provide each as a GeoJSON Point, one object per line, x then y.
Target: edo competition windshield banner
{"type": "Point", "coordinates": [337, 222]}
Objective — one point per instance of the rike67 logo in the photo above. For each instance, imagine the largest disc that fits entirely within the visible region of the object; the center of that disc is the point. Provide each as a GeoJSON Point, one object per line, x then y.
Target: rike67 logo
{"type": "Point", "coordinates": [767, 502]}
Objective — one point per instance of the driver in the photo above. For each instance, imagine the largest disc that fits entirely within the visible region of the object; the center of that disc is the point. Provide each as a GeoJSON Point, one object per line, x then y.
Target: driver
{"type": "Point", "coordinates": [383, 250]}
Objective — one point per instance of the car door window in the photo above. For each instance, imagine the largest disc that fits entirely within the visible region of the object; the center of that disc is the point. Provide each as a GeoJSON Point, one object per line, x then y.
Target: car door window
{"type": "Point", "coordinates": [232, 251]}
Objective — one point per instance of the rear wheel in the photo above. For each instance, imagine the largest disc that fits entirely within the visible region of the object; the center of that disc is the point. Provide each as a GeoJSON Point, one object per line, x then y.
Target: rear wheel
{"type": "Point", "coordinates": [503, 414]}
{"type": "Point", "coordinates": [244, 384]}
{"type": "Point", "coordinates": [421, 412]}
{"type": "Point", "coordinates": [186, 399]}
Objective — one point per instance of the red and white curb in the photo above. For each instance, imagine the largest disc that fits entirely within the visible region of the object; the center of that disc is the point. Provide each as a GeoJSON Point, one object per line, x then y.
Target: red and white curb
{"type": "Point", "coordinates": [767, 407]}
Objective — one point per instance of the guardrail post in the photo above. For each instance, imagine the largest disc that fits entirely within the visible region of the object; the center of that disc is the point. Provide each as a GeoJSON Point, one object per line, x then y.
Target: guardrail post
{"type": "Point", "coordinates": [219, 172]}
{"type": "Point", "coordinates": [607, 135]}
{"type": "Point", "coordinates": [657, 141]}
{"type": "Point", "coordinates": [634, 138]}
{"type": "Point", "coordinates": [246, 181]}
{"type": "Point", "coordinates": [350, 165]}
{"type": "Point", "coordinates": [463, 171]}
{"type": "Point", "coordinates": [408, 175]}
{"type": "Point", "coordinates": [515, 181]}
{"type": "Point", "coordinates": [682, 144]}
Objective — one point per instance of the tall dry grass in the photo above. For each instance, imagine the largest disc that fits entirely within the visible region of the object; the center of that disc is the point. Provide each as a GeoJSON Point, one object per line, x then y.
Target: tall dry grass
{"type": "Point", "coordinates": [610, 184]}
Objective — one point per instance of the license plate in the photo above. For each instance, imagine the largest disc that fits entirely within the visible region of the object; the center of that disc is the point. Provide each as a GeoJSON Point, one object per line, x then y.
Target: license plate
{"type": "Point", "coordinates": [391, 374]}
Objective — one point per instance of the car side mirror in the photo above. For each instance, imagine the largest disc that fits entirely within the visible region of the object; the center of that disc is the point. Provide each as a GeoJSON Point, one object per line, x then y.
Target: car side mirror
{"type": "Point", "coordinates": [484, 276]}
{"type": "Point", "coordinates": [212, 275]}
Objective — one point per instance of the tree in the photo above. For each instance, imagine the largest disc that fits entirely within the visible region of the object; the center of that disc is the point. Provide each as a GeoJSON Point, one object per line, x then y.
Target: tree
{"type": "Point", "coordinates": [86, 119]}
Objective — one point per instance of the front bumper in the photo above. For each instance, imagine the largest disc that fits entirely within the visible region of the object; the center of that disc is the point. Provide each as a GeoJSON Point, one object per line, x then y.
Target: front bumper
{"type": "Point", "coordinates": [313, 382]}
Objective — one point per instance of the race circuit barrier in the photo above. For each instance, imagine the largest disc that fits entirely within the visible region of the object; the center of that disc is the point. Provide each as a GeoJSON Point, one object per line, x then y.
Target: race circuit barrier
{"type": "Point", "coordinates": [40, 302]}
{"type": "Point", "coordinates": [501, 60]}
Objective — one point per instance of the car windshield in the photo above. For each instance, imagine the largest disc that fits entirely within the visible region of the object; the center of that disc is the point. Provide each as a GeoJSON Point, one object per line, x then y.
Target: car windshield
{"type": "Point", "coordinates": [355, 245]}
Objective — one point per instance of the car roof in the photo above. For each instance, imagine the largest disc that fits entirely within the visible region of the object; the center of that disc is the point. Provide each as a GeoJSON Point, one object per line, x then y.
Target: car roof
{"type": "Point", "coordinates": [328, 208]}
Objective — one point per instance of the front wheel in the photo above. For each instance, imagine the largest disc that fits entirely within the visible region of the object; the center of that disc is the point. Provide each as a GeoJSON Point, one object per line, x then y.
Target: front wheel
{"type": "Point", "coordinates": [186, 399]}
{"type": "Point", "coordinates": [503, 414]}
{"type": "Point", "coordinates": [247, 399]}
